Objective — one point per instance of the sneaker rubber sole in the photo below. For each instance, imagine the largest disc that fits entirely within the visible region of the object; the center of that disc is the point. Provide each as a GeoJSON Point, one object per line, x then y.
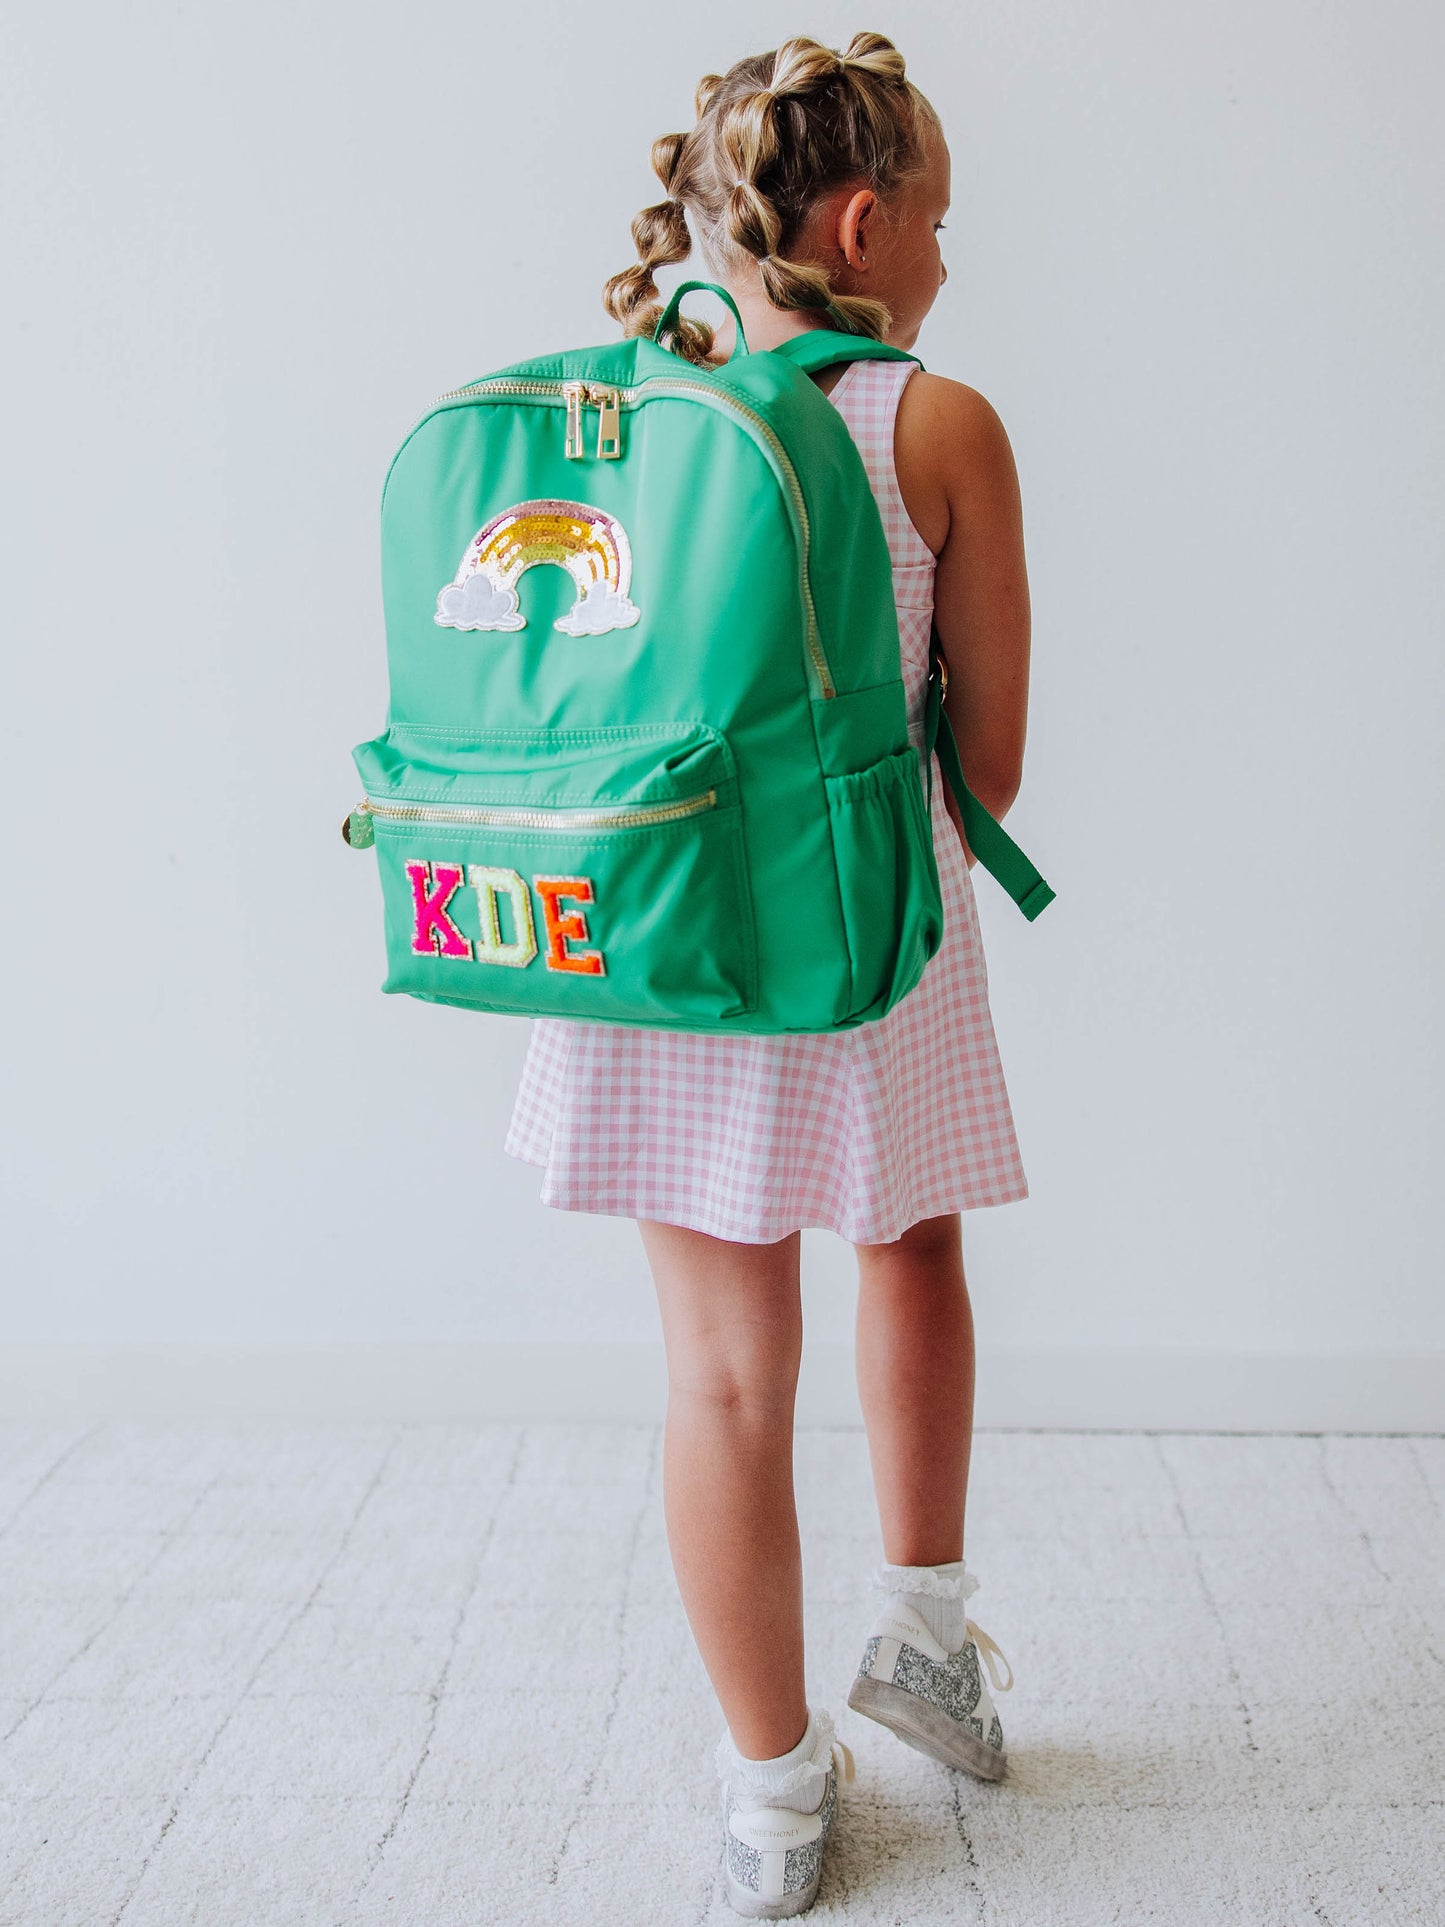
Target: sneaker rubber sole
{"type": "Point", "coordinates": [925, 1727]}
{"type": "Point", "coordinates": [744, 1901]}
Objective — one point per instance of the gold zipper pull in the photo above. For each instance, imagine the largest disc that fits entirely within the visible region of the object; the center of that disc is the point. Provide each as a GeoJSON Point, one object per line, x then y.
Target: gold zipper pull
{"type": "Point", "coordinates": [574, 391]}
{"type": "Point", "coordinates": [357, 830]}
{"type": "Point", "coordinates": [609, 424]}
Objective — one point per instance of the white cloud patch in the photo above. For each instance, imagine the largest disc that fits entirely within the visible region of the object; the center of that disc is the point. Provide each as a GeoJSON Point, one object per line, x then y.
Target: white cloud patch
{"type": "Point", "coordinates": [601, 609]}
{"type": "Point", "coordinates": [478, 603]}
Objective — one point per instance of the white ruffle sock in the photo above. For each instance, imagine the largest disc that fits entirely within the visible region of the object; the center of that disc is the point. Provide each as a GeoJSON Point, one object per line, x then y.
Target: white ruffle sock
{"type": "Point", "coordinates": [938, 1594]}
{"type": "Point", "coordinates": [797, 1779]}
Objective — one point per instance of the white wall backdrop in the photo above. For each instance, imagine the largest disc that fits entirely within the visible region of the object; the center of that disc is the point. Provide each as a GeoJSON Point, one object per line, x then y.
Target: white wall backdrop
{"type": "Point", "coordinates": [1196, 263]}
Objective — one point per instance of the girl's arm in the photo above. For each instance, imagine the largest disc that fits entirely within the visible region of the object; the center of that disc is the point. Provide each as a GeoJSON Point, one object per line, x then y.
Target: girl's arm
{"type": "Point", "coordinates": [959, 484]}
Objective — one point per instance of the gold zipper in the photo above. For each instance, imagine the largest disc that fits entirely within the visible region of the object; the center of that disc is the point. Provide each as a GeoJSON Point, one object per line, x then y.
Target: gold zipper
{"type": "Point", "coordinates": [500, 384]}
{"type": "Point", "coordinates": [729, 403]}
{"type": "Point", "coordinates": [609, 421]}
{"type": "Point", "coordinates": [618, 816]}
{"type": "Point", "coordinates": [575, 393]}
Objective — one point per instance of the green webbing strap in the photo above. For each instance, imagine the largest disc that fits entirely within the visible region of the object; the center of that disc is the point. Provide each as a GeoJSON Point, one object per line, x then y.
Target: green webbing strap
{"type": "Point", "coordinates": [987, 838]}
{"type": "Point", "coordinates": [819, 348]}
{"type": "Point", "coordinates": [667, 320]}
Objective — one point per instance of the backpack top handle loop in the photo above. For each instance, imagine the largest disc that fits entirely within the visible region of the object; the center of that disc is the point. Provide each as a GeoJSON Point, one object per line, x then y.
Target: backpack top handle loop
{"type": "Point", "coordinates": [667, 321]}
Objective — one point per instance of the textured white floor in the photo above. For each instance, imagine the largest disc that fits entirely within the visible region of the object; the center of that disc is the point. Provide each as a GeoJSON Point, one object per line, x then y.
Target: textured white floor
{"type": "Point", "coordinates": [255, 1677]}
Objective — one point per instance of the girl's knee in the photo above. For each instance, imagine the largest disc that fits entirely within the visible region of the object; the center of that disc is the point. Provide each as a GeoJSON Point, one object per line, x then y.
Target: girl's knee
{"type": "Point", "coordinates": [737, 1398]}
{"type": "Point", "coordinates": [748, 1371]}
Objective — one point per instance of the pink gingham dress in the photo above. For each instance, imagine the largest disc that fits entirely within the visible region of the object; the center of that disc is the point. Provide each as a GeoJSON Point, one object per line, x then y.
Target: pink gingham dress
{"type": "Point", "coordinates": [862, 1131]}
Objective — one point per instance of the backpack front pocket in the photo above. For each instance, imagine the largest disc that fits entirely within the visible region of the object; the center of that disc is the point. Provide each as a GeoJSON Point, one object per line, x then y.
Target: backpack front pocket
{"type": "Point", "coordinates": [887, 878]}
{"type": "Point", "coordinates": [584, 873]}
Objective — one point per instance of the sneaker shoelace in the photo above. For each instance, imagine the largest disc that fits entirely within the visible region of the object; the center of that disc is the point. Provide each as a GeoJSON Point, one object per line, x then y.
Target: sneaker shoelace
{"type": "Point", "coordinates": [918, 1579]}
{"type": "Point", "coordinates": [991, 1651]}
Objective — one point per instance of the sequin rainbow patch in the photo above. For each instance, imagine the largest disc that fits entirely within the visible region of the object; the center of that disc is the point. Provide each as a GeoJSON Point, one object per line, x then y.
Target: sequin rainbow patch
{"type": "Point", "coordinates": [588, 543]}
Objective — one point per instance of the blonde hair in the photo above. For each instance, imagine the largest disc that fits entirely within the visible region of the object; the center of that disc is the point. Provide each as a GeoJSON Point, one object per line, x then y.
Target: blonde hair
{"type": "Point", "coordinates": [773, 134]}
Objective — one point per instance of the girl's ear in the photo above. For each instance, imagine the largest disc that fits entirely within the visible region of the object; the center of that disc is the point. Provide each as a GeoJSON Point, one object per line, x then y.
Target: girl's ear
{"type": "Point", "coordinates": [854, 225]}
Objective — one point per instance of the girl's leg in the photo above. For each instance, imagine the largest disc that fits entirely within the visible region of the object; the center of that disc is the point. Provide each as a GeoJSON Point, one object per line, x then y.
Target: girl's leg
{"type": "Point", "coordinates": [733, 1328]}
{"type": "Point", "coordinates": [915, 1380]}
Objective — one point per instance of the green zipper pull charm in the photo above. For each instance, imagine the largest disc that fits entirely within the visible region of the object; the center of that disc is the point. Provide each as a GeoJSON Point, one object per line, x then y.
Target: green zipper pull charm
{"type": "Point", "coordinates": [358, 830]}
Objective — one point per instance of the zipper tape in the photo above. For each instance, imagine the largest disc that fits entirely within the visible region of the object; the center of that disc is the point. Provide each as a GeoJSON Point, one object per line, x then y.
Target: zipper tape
{"type": "Point", "coordinates": [613, 816]}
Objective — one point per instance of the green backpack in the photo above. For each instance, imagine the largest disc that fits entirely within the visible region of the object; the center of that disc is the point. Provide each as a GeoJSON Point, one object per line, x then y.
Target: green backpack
{"type": "Point", "coordinates": [667, 781]}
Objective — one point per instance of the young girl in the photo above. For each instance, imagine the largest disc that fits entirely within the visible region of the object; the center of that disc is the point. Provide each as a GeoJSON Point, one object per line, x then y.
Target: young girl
{"type": "Point", "coordinates": [816, 184]}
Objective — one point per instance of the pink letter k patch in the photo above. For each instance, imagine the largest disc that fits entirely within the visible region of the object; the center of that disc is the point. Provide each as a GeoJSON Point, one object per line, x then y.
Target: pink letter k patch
{"type": "Point", "coordinates": [434, 934]}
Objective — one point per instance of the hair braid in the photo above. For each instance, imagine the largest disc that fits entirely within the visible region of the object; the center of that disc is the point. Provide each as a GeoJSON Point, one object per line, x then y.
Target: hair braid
{"type": "Point", "coordinates": [660, 235]}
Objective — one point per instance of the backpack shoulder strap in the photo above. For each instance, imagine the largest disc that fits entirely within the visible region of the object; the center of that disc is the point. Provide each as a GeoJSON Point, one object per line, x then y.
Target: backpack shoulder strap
{"type": "Point", "coordinates": [987, 838]}
{"type": "Point", "coordinates": [822, 347]}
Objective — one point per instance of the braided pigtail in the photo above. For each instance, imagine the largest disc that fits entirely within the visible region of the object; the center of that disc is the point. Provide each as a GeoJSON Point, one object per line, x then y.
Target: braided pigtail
{"type": "Point", "coordinates": [748, 146]}
{"type": "Point", "coordinates": [661, 237]}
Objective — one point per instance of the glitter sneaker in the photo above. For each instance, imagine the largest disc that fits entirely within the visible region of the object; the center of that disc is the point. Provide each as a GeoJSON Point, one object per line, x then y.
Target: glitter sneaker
{"type": "Point", "coordinates": [774, 1854]}
{"type": "Point", "coordinates": [934, 1700]}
